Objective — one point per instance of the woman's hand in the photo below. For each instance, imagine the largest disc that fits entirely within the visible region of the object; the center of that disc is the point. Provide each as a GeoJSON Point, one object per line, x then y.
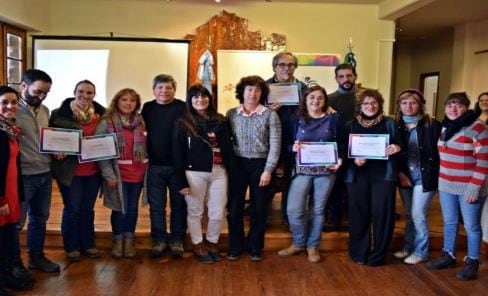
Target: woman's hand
{"type": "Point", "coordinates": [265, 179]}
{"type": "Point", "coordinates": [112, 184]}
{"type": "Point", "coordinates": [470, 199]}
{"type": "Point", "coordinates": [274, 106]}
{"type": "Point", "coordinates": [296, 146]}
{"type": "Point", "coordinates": [359, 161]}
{"type": "Point", "coordinates": [185, 191]}
{"type": "Point", "coordinates": [59, 156]}
{"type": "Point", "coordinates": [404, 180]}
{"type": "Point", "coordinates": [335, 167]}
{"type": "Point", "coordinates": [392, 149]}
{"type": "Point", "coordinates": [4, 210]}
{"type": "Point", "coordinates": [330, 110]}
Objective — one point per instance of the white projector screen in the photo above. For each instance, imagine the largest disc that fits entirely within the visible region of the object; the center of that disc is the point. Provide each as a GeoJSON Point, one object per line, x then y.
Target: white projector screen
{"type": "Point", "coordinates": [110, 63]}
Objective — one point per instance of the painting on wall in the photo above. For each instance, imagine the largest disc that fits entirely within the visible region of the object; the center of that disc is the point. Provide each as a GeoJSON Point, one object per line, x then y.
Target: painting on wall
{"type": "Point", "coordinates": [313, 68]}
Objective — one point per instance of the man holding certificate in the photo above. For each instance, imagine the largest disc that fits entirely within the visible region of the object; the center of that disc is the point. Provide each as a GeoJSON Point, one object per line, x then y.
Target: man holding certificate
{"type": "Point", "coordinates": [314, 137]}
{"type": "Point", "coordinates": [371, 177]}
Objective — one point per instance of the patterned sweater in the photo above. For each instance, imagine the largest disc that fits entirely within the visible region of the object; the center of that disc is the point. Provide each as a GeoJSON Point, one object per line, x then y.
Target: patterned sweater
{"type": "Point", "coordinates": [464, 162]}
{"type": "Point", "coordinates": [256, 136]}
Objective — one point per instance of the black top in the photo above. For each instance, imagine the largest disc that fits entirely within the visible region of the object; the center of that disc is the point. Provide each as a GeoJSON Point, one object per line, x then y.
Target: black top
{"type": "Point", "coordinates": [344, 104]}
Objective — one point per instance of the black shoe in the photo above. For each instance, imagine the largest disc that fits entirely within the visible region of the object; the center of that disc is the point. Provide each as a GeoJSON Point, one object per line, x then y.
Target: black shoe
{"type": "Point", "coordinates": [255, 256]}
{"type": "Point", "coordinates": [445, 260]}
{"type": "Point", "coordinates": [11, 282]}
{"type": "Point", "coordinates": [233, 256]}
{"type": "Point", "coordinates": [18, 271]}
{"type": "Point", "coordinates": [4, 292]}
{"type": "Point", "coordinates": [469, 271]}
{"type": "Point", "coordinates": [39, 261]}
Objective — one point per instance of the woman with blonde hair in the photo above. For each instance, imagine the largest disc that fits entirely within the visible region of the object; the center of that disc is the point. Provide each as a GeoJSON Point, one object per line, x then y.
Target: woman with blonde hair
{"type": "Point", "coordinates": [123, 178]}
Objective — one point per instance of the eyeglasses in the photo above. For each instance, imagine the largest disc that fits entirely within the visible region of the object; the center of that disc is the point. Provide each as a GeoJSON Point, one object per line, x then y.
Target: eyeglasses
{"type": "Point", "coordinates": [372, 104]}
{"type": "Point", "coordinates": [7, 102]}
{"type": "Point", "coordinates": [284, 66]}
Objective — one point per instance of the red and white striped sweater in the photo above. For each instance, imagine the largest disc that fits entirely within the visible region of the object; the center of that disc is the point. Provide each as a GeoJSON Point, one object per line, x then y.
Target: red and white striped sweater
{"type": "Point", "coordinates": [464, 162]}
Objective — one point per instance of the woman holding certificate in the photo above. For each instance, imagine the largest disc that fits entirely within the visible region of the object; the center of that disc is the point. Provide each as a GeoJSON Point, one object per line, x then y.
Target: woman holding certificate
{"type": "Point", "coordinates": [123, 178]}
{"type": "Point", "coordinates": [315, 138]}
{"type": "Point", "coordinates": [203, 159]}
{"type": "Point", "coordinates": [11, 194]}
{"type": "Point", "coordinates": [418, 172]}
{"type": "Point", "coordinates": [371, 178]}
{"type": "Point", "coordinates": [463, 150]}
{"type": "Point", "coordinates": [79, 183]}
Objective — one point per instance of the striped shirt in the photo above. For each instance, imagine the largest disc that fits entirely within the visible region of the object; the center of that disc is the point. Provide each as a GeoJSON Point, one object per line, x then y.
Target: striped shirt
{"type": "Point", "coordinates": [464, 162]}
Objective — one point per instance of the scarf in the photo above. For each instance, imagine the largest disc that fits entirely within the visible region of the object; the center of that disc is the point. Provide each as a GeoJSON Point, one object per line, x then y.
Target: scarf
{"type": "Point", "coordinates": [453, 126]}
{"type": "Point", "coordinates": [10, 128]}
{"type": "Point", "coordinates": [117, 125]}
{"type": "Point", "coordinates": [369, 121]}
{"type": "Point", "coordinates": [410, 119]}
{"type": "Point", "coordinates": [80, 115]}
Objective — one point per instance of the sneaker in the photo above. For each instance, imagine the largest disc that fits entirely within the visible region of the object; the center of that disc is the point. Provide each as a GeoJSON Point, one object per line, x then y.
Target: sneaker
{"type": "Point", "coordinates": [313, 255]}
{"type": "Point", "coordinates": [290, 251]}
{"type": "Point", "coordinates": [445, 260]}
{"type": "Point", "coordinates": [93, 253]}
{"type": "Point", "coordinates": [157, 249]}
{"type": "Point", "coordinates": [233, 256]}
{"type": "Point", "coordinates": [414, 259]}
{"type": "Point", "coordinates": [19, 272]}
{"type": "Point", "coordinates": [74, 256]}
{"type": "Point", "coordinates": [255, 256]}
{"type": "Point", "coordinates": [176, 250]}
{"type": "Point", "coordinates": [129, 248]}
{"type": "Point", "coordinates": [213, 250]}
{"type": "Point", "coordinates": [402, 254]}
{"type": "Point", "coordinates": [469, 271]}
{"type": "Point", "coordinates": [201, 253]}
{"type": "Point", "coordinates": [117, 249]}
{"type": "Point", "coordinates": [39, 261]}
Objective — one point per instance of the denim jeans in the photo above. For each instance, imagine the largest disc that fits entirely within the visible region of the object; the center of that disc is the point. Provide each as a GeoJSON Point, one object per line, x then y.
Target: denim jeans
{"type": "Point", "coordinates": [416, 203]}
{"type": "Point", "coordinates": [37, 204]}
{"type": "Point", "coordinates": [159, 180]}
{"type": "Point", "coordinates": [206, 189]}
{"type": "Point", "coordinates": [306, 225]}
{"type": "Point", "coordinates": [78, 215]}
{"type": "Point", "coordinates": [471, 213]}
{"type": "Point", "coordinates": [124, 224]}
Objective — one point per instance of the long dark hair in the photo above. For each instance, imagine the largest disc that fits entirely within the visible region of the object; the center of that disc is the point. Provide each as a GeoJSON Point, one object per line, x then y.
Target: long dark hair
{"type": "Point", "coordinates": [302, 107]}
{"type": "Point", "coordinates": [191, 117]}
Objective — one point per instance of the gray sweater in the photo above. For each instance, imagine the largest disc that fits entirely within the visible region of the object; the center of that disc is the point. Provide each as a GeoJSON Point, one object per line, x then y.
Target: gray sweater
{"type": "Point", "coordinates": [257, 136]}
{"type": "Point", "coordinates": [31, 161]}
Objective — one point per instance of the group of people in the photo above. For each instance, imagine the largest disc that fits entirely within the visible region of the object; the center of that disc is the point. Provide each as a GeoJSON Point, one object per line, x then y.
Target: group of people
{"type": "Point", "coordinates": [208, 161]}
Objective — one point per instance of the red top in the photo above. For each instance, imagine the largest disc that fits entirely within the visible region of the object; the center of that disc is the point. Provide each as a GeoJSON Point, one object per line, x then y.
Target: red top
{"type": "Point", "coordinates": [130, 170]}
{"type": "Point", "coordinates": [88, 168]}
{"type": "Point", "coordinates": [12, 188]}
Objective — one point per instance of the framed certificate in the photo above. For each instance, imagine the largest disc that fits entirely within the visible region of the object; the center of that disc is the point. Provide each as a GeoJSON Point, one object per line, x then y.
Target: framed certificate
{"type": "Point", "coordinates": [317, 153]}
{"type": "Point", "coordinates": [60, 140]}
{"type": "Point", "coordinates": [98, 147]}
{"type": "Point", "coordinates": [369, 146]}
{"type": "Point", "coordinates": [284, 93]}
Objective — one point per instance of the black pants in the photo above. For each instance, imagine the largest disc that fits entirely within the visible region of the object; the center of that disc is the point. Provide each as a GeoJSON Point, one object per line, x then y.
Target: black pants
{"type": "Point", "coordinates": [9, 246]}
{"type": "Point", "coordinates": [371, 217]}
{"type": "Point", "coordinates": [248, 175]}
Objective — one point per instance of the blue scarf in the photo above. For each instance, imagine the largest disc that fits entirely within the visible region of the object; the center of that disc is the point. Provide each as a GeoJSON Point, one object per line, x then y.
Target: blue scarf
{"type": "Point", "coordinates": [410, 119]}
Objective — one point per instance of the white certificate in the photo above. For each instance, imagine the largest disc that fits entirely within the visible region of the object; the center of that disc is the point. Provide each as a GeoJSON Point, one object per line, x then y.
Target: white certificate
{"type": "Point", "coordinates": [60, 140]}
{"type": "Point", "coordinates": [369, 146]}
{"type": "Point", "coordinates": [317, 153]}
{"type": "Point", "coordinates": [284, 93]}
{"type": "Point", "coordinates": [98, 147]}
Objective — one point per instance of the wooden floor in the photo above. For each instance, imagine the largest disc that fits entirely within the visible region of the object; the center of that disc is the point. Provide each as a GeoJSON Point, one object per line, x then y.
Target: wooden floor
{"type": "Point", "coordinates": [335, 275]}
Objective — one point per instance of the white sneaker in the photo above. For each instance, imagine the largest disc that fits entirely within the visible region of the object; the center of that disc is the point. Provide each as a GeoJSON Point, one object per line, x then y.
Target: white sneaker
{"type": "Point", "coordinates": [414, 259]}
{"type": "Point", "coordinates": [401, 254]}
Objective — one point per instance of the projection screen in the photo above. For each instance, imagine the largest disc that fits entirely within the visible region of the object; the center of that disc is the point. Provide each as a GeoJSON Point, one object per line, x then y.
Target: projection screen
{"type": "Point", "coordinates": [111, 63]}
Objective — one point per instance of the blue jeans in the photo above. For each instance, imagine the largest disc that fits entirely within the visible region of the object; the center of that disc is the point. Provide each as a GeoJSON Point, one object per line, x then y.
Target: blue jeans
{"type": "Point", "coordinates": [124, 224]}
{"type": "Point", "coordinates": [306, 226]}
{"type": "Point", "coordinates": [159, 180]}
{"type": "Point", "coordinates": [37, 190]}
{"type": "Point", "coordinates": [471, 213]}
{"type": "Point", "coordinates": [416, 204]}
{"type": "Point", "coordinates": [78, 215]}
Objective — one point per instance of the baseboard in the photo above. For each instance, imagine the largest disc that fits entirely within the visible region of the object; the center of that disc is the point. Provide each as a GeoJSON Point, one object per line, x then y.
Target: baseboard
{"type": "Point", "coordinates": [484, 249]}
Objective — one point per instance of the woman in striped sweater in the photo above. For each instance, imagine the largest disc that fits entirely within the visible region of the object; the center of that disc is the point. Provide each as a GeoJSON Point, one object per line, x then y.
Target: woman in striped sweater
{"type": "Point", "coordinates": [463, 151]}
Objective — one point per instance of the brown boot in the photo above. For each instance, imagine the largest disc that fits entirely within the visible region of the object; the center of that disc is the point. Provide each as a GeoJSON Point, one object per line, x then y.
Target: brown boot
{"type": "Point", "coordinates": [213, 251]}
{"type": "Point", "coordinates": [129, 249]}
{"type": "Point", "coordinates": [200, 252]}
{"type": "Point", "coordinates": [117, 249]}
{"type": "Point", "coordinates": [313, 255]}
{"type": "Point", "coordinates": [291, 250]}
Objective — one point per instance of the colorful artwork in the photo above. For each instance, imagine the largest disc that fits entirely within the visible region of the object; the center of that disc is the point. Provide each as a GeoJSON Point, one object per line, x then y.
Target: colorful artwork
{"type": "Point", "coordinates": [327, 60]}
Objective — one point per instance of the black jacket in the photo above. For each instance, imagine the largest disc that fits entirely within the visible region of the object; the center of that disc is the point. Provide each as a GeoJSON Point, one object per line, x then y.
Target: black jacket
{"type": "Point", "coordinates": [194, 153]}
{"type": "Point", "coordinates": [428, 132]}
